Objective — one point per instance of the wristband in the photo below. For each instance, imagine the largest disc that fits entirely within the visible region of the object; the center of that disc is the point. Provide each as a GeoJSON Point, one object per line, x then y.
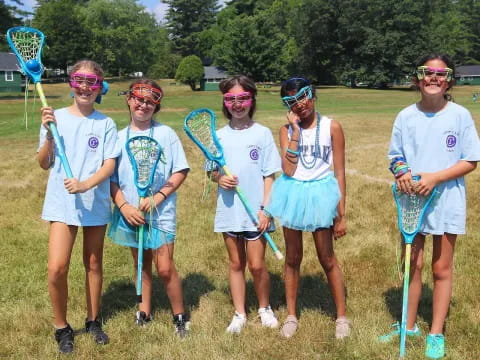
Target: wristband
{"type": "Point", "coordinates": [163, 194]}
{"type": "Point", "coordinates": [122, 205]}
{"type": "Point", "coordinates": [49, 136]}
{"type": "Point", "coordinates": [294, 140]}
{"type": "Point", "coordinates": [293, 152]}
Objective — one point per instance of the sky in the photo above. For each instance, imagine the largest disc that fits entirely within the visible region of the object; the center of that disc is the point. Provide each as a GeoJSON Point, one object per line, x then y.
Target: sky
{"type": "Point", "coordinates": [155, 7]}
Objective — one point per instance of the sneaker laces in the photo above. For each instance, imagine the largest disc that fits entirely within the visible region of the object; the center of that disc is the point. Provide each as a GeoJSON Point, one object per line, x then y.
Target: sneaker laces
{"type": "Point", "coordinates": [94, 327]}
{"type": "Point", "coordinates": [182, 324]}
{"type": "Point", "coordinates": [342, 327]}
{"type": "Point", "coordinates": [268, 317]}
{"type": "Point", "coordinates": [237, 323]}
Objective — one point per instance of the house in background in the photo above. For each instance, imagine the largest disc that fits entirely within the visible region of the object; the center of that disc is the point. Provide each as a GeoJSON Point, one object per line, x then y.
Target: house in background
{"type": "Point", "coordinates": [467, 75]}
{"type": "Point", "coordinates": [211, 78]}
{"type": "Point", "coordinates": [10, 75]}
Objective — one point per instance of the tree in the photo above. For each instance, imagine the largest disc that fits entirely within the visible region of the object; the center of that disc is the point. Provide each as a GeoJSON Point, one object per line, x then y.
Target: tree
{"type": "Point", "coordinates": [67, 39]}
{"type": "Point", "coordinates": [9, 19]}
{"type": "Point", "coordinates": [186, 19]}
{"type": "Point", "coordinates": [122, 33]}
{"type": "Point", "coordinates": [190, 71]}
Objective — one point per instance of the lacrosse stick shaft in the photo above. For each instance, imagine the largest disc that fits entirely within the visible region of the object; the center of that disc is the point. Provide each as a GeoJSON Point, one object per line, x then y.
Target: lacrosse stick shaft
{"type": "Point", "coordinates": [406, 284]}
{"type": "Point", "coordinates": [140, 261]}
{"type": "Point", "coordinates": [254, 216]}
{"type": "Point", "coordinates": [56, 136]}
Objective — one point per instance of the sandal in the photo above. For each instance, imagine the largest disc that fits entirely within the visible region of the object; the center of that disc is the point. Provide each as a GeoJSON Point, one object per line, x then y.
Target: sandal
{"type": "Point", "coordinates": [289, 326]}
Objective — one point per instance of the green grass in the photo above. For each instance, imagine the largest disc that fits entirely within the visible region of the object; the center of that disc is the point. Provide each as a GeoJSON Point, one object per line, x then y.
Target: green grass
{"type": "Point", "coordinates": [367, 253]}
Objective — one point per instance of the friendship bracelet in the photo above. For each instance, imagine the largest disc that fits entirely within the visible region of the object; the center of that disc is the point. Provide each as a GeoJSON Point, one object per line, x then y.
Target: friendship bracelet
{"type": "Point", "coordinates": [262, 207]}
{"type": "Point", "coordinates": [294, 140]}
{"type": "Point", "coordinates": [399, 166]}
{"type": "Point", "coordinates": [163, 194]}
{"type": "Point", "coordinates": [49, 136]}
{"type": "Point", "coordinates": [402, 172]}
{"type": "Point", "coordinates": [293, 152]}
{"type": "Point", "coordinates": [122, 205]}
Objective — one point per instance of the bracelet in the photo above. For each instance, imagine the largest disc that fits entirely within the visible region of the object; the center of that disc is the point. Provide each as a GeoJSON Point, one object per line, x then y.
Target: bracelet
{"type": "Point", "coordinates": [262, 207]}
{"type": "Point", "coordinates": [290, 151]}
{"type": "Point", "coordinates": [49, 136]}
{"type": "Point", "coordinates": [294, 140]}
{"type": "Point", "coordinates": [163, 194]}
{"type": "Point", "coordinates": [124, 203]}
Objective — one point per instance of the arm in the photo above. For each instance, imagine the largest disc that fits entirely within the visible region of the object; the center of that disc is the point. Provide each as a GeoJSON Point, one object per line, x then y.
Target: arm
{"type": "Point", "coordinates": [74, 186]}
{"type": "Point", "coordinates": [172, 184]}
{"type": "Point", "coordinates": [224, 181]}
{"type": "Point", "coordinates": [131, 213]}
{"type": "Point", "coordinates": [46, 154]}
{"type": "Point", "coordinates": [338, 148]}
{"type": "Point", "coordinates": [429, 180]}
{"type": "Point", "coordinates": [288, 147]}
{"type": "Point", "coordinates": [264, 219]}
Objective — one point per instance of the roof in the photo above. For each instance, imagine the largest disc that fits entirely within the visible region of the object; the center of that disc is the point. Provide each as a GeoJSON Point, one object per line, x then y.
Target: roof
{"type": "Point", "coordinates": [467, 70]}
{"type": "Point", "coordinates": [8, 62]}
{"type": "Point", "coordinates": [213, 72]}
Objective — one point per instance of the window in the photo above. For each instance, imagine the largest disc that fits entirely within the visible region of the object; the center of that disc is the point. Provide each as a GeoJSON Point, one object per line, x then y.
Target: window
{"type": "Point", "coordinates": [8, 75]}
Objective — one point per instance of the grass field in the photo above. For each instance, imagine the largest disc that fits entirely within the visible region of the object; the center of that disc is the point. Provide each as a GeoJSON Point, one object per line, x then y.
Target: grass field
{"type": "Point", "coordinates": [368, 253]}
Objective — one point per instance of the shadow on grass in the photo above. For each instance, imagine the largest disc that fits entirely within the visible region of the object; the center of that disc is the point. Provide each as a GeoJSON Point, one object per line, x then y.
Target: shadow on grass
{"type": "Point", "coordinates": [121, 295]}
{"type": "Point", "coordinates": [313, 293]}
{"type": "Point", "coordinates": [393, 300]}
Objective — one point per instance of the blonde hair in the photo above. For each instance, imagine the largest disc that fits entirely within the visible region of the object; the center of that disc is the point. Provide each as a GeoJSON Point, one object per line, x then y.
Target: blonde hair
{"type": "Point", "coordinates": [89, 64]}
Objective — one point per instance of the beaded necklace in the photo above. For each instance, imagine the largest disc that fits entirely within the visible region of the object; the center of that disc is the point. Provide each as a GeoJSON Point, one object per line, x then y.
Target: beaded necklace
{"type": "Point", "coordinates": [316, 153]}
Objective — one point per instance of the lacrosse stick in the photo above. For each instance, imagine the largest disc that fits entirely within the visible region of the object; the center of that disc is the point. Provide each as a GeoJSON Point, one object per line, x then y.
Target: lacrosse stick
{"type": "Point", "coordinates": [200, 127]}
{"type": "Point", "coordinates": [27, 43]}
{"type": "Point", "coordinates": [144, 153]}
{"type": "Point", "coordinates": [410, 211]}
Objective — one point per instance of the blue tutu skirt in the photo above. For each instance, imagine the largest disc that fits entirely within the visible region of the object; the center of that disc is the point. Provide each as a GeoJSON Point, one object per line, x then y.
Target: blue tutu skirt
{"type": "Point", "coordinates": [304, 205]}
{"type": "Point", "coordinates": [122, 233]}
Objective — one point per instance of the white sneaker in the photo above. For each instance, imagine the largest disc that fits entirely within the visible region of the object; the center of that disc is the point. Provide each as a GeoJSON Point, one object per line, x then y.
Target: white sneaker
{"type": "Point", "coordinates": [237, 323]}
{"type": "Point", "coordinates": [268, 317]}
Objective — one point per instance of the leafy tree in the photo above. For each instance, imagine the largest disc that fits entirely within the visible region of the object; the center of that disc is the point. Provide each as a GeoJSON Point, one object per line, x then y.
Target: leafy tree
{"type": "Point", "coordinates": [164, 61]}
{"type": "Point", "coordinates": [186, 19]}
{"type": "Point", "coordinates": [190, 71]}
{"type": "Point", "coordinates": [67, 39]}
{"type": "Point", "coordinates": [9, 19]}
{"type": "Point", "coordinates": [122, 33]}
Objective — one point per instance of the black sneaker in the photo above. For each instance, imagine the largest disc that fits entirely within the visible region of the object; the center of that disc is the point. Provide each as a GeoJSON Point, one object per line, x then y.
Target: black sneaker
{"type": "Point", "coordinates": [141, 318]}
{"type": "Point", "coordinates": [94, 327]}
{"type": "Point", "coordinates": [64, 339]}
{"type": "Point", "coordinates": [182, 324]}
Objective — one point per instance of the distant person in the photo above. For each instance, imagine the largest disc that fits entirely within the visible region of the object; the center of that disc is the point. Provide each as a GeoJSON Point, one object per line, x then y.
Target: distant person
{"type": "Point", "coordinates": [159, 220]}
{"type": "Point", "coordinates": [437, 140]}
{"type": "Point", "coordinates": [253, 159]}
{"type": "Point", "coordinates": [309, 196]}
{"type": "Point", "coordinates": [90, 141]}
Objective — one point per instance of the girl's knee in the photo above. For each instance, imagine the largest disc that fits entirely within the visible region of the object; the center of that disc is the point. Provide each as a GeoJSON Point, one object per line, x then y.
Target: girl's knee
{"type": "Point", "coordinates": [328, 262]}
{"type": "Point", "coordinates": [257, 269]}
{"type": "Point", "coordinates": [441, 271]}
{"type": "Point", "coordinates": [57, 272]}
{"type": "Point", "coordinates": [293, 261]}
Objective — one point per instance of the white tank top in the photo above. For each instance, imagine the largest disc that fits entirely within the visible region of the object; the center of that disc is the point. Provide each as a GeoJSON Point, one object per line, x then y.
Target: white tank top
{"type": "Point", "coordinates": [314, 164]}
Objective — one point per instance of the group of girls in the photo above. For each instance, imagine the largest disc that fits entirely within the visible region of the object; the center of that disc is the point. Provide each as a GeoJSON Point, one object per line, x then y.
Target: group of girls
{"type": "Point", "coordinates": [309, 196]}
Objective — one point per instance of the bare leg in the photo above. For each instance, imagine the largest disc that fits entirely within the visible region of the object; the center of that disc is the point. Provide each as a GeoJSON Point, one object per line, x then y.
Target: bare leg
{"type": "Point", "coordinates": [324, 245]}
{"type": "Point", "coordinates": [236, 272]}
{"type": "Point", "coordinates": [442, 268]}
{"type": "Point", "coordinates": [93, 237]}
{"type": "Point", "coordinates": [60, 245]}
{"type": "Point", "coordinates": [258, 269]}
{"type": "Point", "coordinates": [146, 304]}
{"type": "Point", "coordinates": [163, 258]}
{"type": "Point", "coordinates": [293, 260]}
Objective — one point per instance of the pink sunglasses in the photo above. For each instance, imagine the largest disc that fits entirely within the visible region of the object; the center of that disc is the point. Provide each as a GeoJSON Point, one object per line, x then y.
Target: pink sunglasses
{"type": "Point", "coordinates": [244, 99]}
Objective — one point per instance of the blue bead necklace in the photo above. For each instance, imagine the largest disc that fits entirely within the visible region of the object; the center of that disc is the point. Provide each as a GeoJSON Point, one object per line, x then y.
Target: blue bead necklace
{"type": "Point", "coordinates": [316, 153]}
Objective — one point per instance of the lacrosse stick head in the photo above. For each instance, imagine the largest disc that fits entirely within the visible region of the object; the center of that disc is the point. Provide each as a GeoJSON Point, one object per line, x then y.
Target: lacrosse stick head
{"type": "Point", "coordinates": [144, 153]}
{"type": "Point", "coordinates": [410, 210]}
{"type": "Point", "coordinates": [200, 127]}
{"type": "Point", "coordinates": [27, 43]}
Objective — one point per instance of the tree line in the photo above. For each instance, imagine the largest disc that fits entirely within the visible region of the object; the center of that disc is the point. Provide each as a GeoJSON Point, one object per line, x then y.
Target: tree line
{"type": "Point", "coordinates": [330, 41]}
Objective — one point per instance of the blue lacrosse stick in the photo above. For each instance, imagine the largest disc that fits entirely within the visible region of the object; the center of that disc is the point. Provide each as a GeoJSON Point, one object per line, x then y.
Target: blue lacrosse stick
{"type": "Point", "coordinates": [200, 127]}
{"type": "Point", "coordinates": [144, 153]}
{"type": "Point", "coordinates": [410, 211]}
{"type": "Point", "coordinates": [27, 43]}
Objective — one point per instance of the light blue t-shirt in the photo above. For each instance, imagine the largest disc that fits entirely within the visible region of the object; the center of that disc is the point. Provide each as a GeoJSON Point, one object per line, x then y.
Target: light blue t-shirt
{"type": "Point", "coordinates": [88, 141]}
{"type": "Point", "coordinates": [431, 142]}
{"type": "Point", "coordinates": [173, 160]}
{"type": "Point", "coordinates": [251, 155]}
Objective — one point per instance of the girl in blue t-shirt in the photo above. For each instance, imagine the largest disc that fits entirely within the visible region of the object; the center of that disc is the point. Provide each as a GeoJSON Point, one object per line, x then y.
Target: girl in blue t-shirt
{"type": "Point", "coordinates": [437, 140]}
{"type": "Point", "coordinates": [90, 141]}
{"type": "Point", "coordinates": [252, 157]}
{"type": "Point", "coordinates": [143, 100]}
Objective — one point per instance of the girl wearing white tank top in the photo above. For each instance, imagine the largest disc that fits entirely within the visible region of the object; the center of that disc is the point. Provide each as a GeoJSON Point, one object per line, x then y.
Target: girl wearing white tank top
{"type": "Point", "coordinates": [309, 196]}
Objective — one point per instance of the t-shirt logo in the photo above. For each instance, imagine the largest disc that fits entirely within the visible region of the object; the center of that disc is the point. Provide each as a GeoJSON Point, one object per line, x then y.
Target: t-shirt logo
{"type": "Point", "coordinates": [451, 141]}
{"type": "Point", "coordinates": [93, 142]}
{"type": "Point", "coordinates": [254, 154]}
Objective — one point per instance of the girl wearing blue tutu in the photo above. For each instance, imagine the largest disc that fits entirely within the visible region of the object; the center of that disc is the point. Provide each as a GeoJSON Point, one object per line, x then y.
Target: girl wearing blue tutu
{"type": "Point", "coordinates": [309, 196]}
